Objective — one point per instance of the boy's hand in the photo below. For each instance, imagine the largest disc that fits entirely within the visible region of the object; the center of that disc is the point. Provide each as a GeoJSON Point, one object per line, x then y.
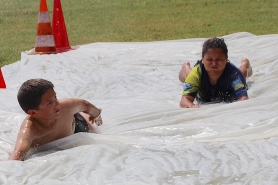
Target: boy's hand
{"type": "Point", "coordinates": [98, 120]}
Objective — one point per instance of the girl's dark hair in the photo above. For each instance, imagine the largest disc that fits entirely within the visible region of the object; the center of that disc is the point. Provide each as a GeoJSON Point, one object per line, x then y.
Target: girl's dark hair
{"type": "Point", "coordinates": [214, 43]}
{"type": "Point", "coordinates": [30, 93]}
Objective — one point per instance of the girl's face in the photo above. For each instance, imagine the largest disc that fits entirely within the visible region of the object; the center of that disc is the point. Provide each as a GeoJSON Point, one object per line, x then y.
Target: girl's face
{"type": "Point", "coordinates": [215, 61]}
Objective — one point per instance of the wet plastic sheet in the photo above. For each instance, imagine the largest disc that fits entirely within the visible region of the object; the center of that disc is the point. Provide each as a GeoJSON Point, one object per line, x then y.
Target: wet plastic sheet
{"type": "Point", "coordinates": [146, 138]}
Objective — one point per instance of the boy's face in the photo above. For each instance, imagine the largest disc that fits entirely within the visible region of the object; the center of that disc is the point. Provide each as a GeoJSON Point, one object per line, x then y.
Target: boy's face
{"type": "Point", "coordinates": [49, 107]}
{"type": "Point", "coordinates": [214, 60]}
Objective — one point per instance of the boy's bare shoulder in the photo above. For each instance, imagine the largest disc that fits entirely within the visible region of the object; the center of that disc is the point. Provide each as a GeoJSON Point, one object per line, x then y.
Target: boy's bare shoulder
{"type": "Point", "coordinates": [28, 130]}
{"type": "Point", "coordinates": [28, 122]}
{"type": "Point", "coordinates": [29, 126]}
{"type": "Point", "coordinates": [67, 101]}
{"type": "Point", "coordinates": [64, 100]}
{"type": "Point", "coordinates": [70, 103]}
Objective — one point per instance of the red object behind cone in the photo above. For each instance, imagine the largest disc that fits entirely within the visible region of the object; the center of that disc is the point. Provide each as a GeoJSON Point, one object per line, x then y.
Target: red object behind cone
{"type": "Point", "coordinates": [59, 28]}
{"type": "Point", "coordinates": [2, 81]}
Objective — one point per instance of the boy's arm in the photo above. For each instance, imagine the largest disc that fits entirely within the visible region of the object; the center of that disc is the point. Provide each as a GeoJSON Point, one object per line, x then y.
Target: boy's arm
{"type": "Point", "coordinates": [23, 141]}
{"type": "Point", "coordinates": [80, 105]}
{"type": "Point", "coordinates": [21, 148]}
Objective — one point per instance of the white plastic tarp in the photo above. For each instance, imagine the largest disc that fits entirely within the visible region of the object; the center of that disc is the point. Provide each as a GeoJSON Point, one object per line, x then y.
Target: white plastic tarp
{"type": "Point", "coordinates": [146, 137]}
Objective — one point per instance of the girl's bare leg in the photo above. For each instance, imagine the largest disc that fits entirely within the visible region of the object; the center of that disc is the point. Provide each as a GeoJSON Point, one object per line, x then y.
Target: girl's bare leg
{"type": "Point", "coordinates": [185, 69]}
{"type": "Point", "coordinates": [246, 68]}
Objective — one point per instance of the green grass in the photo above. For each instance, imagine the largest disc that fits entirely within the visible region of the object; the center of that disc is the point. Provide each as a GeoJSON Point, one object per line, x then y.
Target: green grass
{"type": "Point", "coordinates": [89, 21]}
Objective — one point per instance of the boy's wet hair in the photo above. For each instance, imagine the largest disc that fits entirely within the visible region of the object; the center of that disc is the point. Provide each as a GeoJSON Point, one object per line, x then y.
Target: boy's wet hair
{"type": "Point", "coordinates": [30, 93]}
{"type": "Point", "coordinates": [214, 43]}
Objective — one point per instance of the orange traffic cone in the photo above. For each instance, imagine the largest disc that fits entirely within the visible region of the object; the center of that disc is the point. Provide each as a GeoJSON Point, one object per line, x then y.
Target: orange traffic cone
{"type": "Point", "coordinates": [59, 28]}
{"type": "Point", "coordinates": [2, 81]}
{"type": "Point", "coordinates": [44, 40]}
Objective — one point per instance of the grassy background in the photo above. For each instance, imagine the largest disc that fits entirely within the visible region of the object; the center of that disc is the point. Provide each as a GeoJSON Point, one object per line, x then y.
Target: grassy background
{"type": "Point", "coordinates": [89, 21]}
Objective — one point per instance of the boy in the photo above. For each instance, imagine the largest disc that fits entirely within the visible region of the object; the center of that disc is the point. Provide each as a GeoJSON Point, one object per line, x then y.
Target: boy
{"type": "Point", "coordinates": [50, 119]}
{"type": "Point", "coordinates": [214, 78]}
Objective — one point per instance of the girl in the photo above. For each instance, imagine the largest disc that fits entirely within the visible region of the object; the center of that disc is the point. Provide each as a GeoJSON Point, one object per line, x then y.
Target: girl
{"type": "Point", "coordinates": [214, 78]}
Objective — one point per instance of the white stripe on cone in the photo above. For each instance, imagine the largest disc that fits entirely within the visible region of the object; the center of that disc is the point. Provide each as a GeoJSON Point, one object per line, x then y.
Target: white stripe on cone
{"type": "Point", "coordinates": [43, 17]}
{"type": "Point", "coordinates": [45, 41]}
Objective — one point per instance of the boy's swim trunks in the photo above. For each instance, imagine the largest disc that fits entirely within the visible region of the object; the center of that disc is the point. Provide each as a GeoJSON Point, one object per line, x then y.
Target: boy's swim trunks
{"type": "Point", "coordinates": [81, 124]}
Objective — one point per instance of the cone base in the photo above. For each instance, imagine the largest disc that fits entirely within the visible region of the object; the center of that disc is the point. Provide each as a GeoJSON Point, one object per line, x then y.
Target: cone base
{"type": "Point", "coordinates": [3, 85]}
{"type": "Point", "coordinates": [42, 53]}
{"type": "Point", "coordinates": [45, 50]}
{"type": "Point", "coordinates": [61, 50]}
{"type": "Point", "coordinates": [2, 81]}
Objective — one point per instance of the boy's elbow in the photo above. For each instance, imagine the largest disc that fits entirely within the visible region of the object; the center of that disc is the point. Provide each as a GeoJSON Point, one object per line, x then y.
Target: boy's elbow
{"type": "Point", "coordinates": [16, 155]}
